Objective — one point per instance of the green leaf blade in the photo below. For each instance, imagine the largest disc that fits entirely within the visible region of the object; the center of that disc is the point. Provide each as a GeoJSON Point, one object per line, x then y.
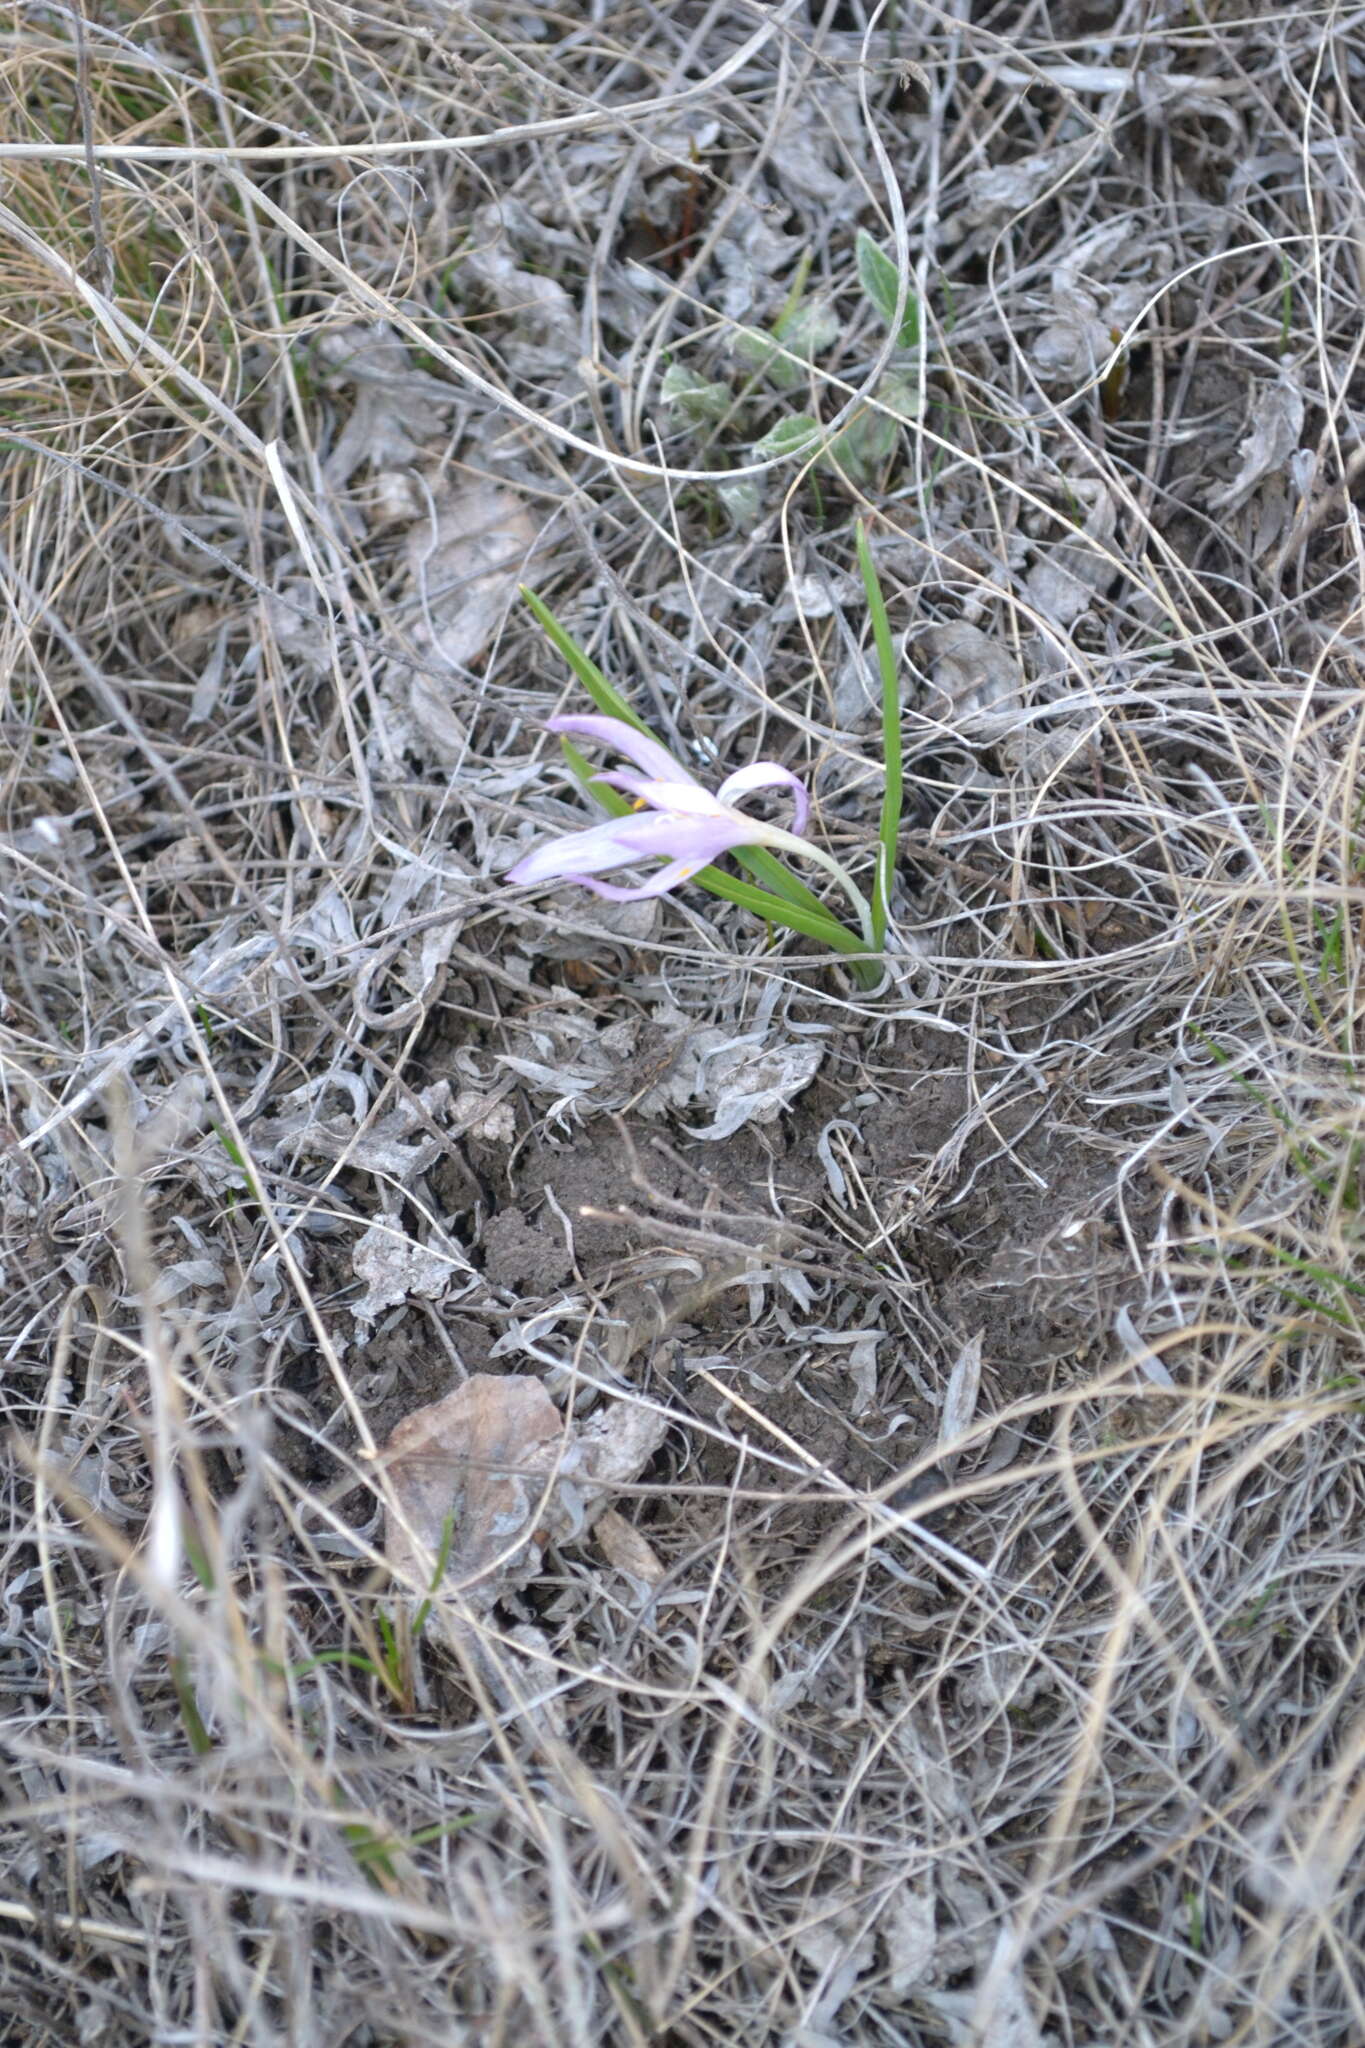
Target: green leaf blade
{"type": "Point", "coordinates": [881, 282]}
{"type": "Point", "coordinates": [888, 828]}
{"type": "Point", "coordinates": [696, 398]}
{"type": "Point", "coordinates": [608, 699]}
{"type": "Point", "coordinates": [796, 436]}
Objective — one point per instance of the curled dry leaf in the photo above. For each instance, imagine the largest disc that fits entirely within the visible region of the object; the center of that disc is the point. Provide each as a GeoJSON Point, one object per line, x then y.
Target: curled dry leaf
{"type": "Point", "coordinates": [467, 553]}
{"type": "Point", "coordinates": [1070, 574]}
{"type": "Point", "coordinates": [743, 1078]}
{"type": "Point", "coordinates": [748, 1080]}
{"type": "Point", "coordinates": [1148, 1362]}
{"type": "Point", "coordinates": [862, 1372]}
{"type": "Point", "coordinates": [1074, 344]}
{"type": "Point", "coordinates": [1272, 437]}
{"type": "Point", "coordinates": [594, 929]}
{"type": "Point", "coordinates": [997, 2009]}
{"type": "Point", "coordinates": [995, 192]}
{"type": "Point", "coordinates": [840, 1954]}
{"type": "Point", "coordinates": [959, 1403]}
{"type": "Point", "coordinates": [977, 684]}
{"type": "Point", "coordinates": [397, 407]}
{"type": "Point", "coordinates": [466, 560]}
{"type": "Point", "coordinates": [909, 1929]}
{"type": "Point", "coordinates": [622, 1545]}
{"type": "Point", "coordinates": [540, 306]}
{"type": "Point", "coordinates": [489, 1476]}
{"type": "Point", "coordinates": [804, 156]}
{"type": "Point", "coordinates": [482, 1459]}
{"type": "Point", "coordinates": [395, 1269]}
{"type": "Point", "coordinates": [487, 1117]}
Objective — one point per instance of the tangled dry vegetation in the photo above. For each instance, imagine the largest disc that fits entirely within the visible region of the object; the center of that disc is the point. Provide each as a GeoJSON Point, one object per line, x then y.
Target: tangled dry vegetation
{"type": "Point", "coordinates": [903, 1582]}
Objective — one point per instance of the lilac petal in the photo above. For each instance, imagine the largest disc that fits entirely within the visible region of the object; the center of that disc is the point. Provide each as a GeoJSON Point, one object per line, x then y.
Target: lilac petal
{"type": "Point", "coordinates": [608, 845]}
{"type": "Point", "coordinates": [636, 746]}
{"type": "Point", "coordinates": [667, 878]}
{"type": "Point", "coordinates": [683, 799]}
{"type": "Point", "coordinates": [621, 778]}
{"type": "Point", "coordinates": [619, 841]}
{"type": "Point", "coordinates": [767, 775]}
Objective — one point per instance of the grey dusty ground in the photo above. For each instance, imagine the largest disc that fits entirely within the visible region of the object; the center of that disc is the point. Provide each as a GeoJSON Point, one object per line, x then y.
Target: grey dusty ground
{"type": "Point", "coordinates": [886, 1566]}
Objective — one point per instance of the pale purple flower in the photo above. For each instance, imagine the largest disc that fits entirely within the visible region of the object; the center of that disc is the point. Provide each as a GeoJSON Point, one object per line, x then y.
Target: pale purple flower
{"type": "Point", "coordinates": [674, 819]}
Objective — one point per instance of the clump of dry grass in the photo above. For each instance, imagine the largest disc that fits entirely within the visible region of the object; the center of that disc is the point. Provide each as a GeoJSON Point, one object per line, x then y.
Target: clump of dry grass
{"type": "Point", "coordinates": [956, 1694]}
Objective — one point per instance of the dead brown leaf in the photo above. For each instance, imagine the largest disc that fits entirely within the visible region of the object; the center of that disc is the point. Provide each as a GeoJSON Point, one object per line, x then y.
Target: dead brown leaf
{"type": "Point", "coordinates": [491, 1474]}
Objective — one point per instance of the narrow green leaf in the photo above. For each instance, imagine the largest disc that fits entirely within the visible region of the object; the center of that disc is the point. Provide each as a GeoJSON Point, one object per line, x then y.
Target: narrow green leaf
{"type": "Point", "coordinates": [234, 1153]}
{"type": "Point", "coordinates": [438, 1573]}
{"type": "Point", "coordinates": [880, 281]}
{"type": "Point", "coordinates": [774, 910]}
{"type": "Point", "coordinates": [200, 1741]}
{"type": "Point", "coordinates": [349, 1660]}
{"type": "Point", "coordinates": [611, 800]}
{"type": "Point", "coordinates": [796, 292]}
{"type": "Point", "coordinates": [608, 700]}
{"type": "Point", "coordinates": [197, 1557]}
{"type": "Point", "coordinates": [774, 876]}
{"type": "Point", "coordinates": [888, 829]}
{"type": "Point", "coordinates": [438, 1830]}
{"type": "Point", "coordinates": [370, 1852]}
